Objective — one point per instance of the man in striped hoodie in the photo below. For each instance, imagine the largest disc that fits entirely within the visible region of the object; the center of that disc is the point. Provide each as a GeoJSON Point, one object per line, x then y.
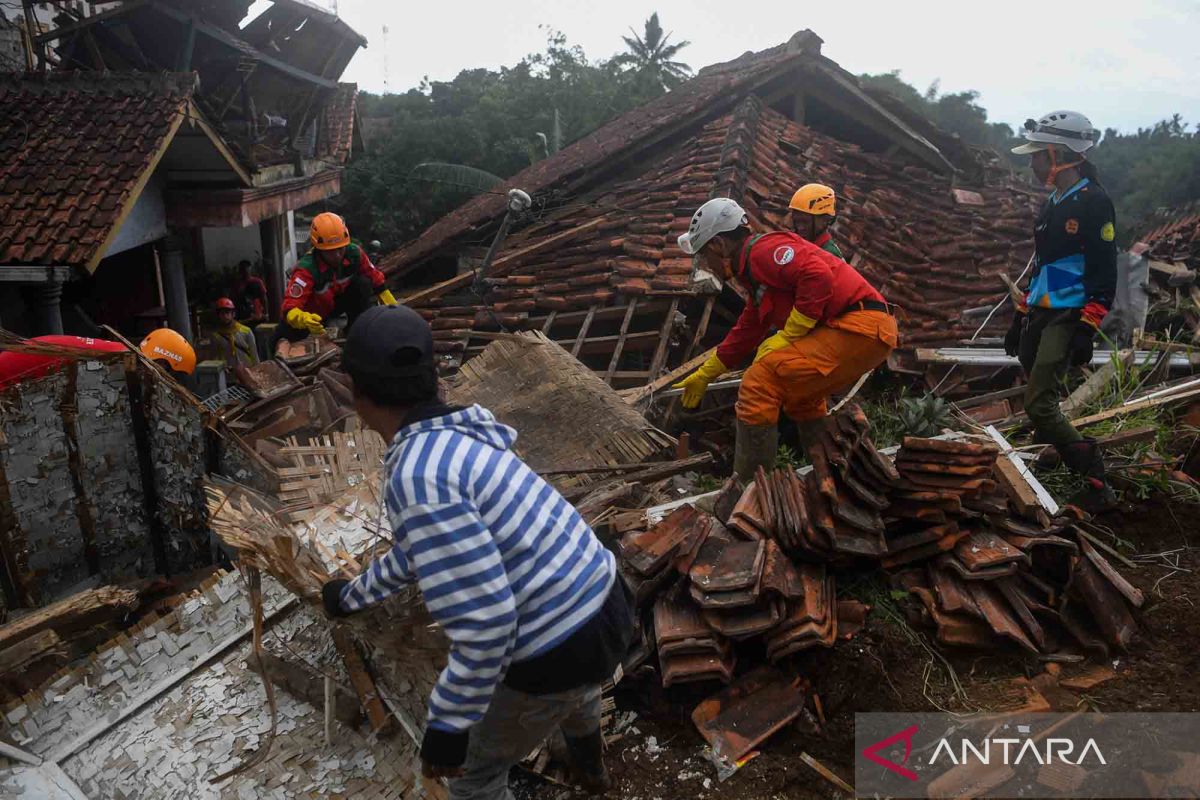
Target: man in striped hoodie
{"type": "Point", "coordinates": [536, 614]}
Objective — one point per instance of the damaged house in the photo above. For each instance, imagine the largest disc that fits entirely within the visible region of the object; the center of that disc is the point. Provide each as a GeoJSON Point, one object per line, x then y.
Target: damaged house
{"type": "Point", "coordinates": [595, 264]}
{"type": "Point", "coordinates": [158, 141]}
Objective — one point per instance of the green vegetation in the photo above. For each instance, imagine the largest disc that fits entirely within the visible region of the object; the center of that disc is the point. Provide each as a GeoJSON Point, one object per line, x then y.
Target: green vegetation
{"type": "Point", "coordinates": [501, 121]}
{"type": "Point", "coordinates": [494, 121]}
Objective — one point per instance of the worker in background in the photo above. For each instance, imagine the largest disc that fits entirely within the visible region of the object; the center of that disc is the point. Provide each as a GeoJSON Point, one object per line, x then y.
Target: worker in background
{"type": "Point", "coordinates": [233, 340]}
{"type": "Point", "coordinates": [1073, 286]}
{"type": "Point", "coordinates": [250, 294]}
{"type": "Point", "coordinates": [162, 345]}
{"type": "Point", "coordinates": [532, 603]}
{"type": "Point", "coordinates": [813, 210]}
{"type": "Point", "coordinates": [831, 327]}
{"type": "Point", "coordinates": [334, 277]}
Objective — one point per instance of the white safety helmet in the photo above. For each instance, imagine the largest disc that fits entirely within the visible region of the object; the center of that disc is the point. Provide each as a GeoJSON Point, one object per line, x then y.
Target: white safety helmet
{"type": "Point", "coordinates": [716, 216]}
{"type": "Point", "coordinates": [1067, 128]}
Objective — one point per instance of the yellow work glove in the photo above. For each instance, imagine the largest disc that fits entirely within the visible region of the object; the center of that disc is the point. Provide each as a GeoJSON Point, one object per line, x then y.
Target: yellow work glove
{"type": "Point", "coordinates": [696, 384]}
{"type": "Point", "coordinates": [305, 321]}
{"type": "Point", "coordinates": [387, 298]}
{"type": "Point", "coordinates": [797, 325]}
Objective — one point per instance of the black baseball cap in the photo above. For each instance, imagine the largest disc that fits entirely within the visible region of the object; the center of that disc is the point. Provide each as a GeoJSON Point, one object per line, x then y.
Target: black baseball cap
{"type": "Point", "coordinates": [389, 342]}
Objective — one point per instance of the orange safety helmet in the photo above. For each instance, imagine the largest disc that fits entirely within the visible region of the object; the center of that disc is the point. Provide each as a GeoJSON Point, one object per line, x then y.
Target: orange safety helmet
{"type": "Point", "coordinates": [225, 304]}
{"type": "Point", "coordinates": [166, 345]}
{"type": "Point", "coordinates": [328, 231]}
{"type": "Point", "coordinates": [816, 199]}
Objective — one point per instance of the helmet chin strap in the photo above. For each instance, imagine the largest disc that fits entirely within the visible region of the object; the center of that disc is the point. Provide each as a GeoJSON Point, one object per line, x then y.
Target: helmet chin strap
{"type": "Point", "coordinates": [1056, 168]}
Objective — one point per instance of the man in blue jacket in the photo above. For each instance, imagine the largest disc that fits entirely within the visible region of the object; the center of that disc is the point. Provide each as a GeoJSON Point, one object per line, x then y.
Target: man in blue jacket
{"type": "Point", "coordinates": [535, 611]}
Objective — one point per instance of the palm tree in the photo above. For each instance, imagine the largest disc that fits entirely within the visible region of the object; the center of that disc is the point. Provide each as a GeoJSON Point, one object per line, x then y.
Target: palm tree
{"type": "Point", "coordinates": [650, 56]}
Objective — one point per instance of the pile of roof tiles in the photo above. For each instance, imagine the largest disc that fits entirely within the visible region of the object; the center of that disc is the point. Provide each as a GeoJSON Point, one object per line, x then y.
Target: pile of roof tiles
{"type": "Point", "coordinates": [933, 518]}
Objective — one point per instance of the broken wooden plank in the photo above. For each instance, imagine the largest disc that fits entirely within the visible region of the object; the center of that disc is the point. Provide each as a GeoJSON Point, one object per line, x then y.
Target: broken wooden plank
{"type": "Point", "coordinates": [616, 355]}
{"type": "Point", "coordinates": [1140, 405]}
{"type": "Point", "coordinates": [363, 683]}
{"type": "Point", "coordinates": [1095, 383]}
{"type": "Point", "coordinates": [674, 376]}
{"type": "Point", "coordinates": [701, 327]}
{"type": "Point", "coordinates": [77, 612]}
{"type": "Point", "coordinates": [1044, 498]}
{"type": "Point", "coordinates": [664, 339]}
{"type": "Point", "coordinates": [22, 656]}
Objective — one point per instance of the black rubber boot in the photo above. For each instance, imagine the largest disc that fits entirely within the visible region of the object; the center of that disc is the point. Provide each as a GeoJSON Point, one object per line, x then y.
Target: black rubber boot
{"type": "Point", "coordinates": [755, 446]}
{"type": "Point", "coordinates": [587, 762]}
{"type": "Point", "coordinates": [1083, 458]}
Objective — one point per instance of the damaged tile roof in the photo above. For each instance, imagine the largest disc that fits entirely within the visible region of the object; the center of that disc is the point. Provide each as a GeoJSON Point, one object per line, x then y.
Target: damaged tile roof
{"type": "Point", "coordinates": [335, 139]}
{"type": "Point", "coordinates": [74, 149]}
{"type": "Point", "coordinates": [1177, 239]}
{"type": "Point", "coordinates": [711, 89]}
{"type": "Point", "coordinates": [934, 251]}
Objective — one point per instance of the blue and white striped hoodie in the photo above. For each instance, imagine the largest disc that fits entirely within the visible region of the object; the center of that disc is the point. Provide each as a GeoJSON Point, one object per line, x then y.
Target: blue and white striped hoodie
{"type": "Point", "coordinates": [505, 564]}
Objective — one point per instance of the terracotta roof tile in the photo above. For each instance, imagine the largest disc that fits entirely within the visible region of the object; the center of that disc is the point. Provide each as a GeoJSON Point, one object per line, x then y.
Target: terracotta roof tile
{"type": "Point", "coordinates": [336, 131]}
{"type": "Point", "coordinates": [702, 95]}
{"type": "Point", "coordinates": [71, 154]}
{"type": "Point", "coordinates": [901, 226]}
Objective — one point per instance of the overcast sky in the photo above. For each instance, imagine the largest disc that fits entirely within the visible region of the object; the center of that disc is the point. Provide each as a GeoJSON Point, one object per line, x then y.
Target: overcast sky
{"type": "Point", "coordinates": [1124, 64]}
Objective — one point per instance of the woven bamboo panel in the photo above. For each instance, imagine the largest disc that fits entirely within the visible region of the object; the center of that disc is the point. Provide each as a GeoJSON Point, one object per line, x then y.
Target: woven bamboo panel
{"type": "Point", "coordinates": [565, 415]}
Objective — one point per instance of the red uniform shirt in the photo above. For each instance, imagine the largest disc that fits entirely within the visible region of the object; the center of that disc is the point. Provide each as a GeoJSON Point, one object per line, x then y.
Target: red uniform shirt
{"type": "Point", "coordinates": [784, 273]}
{"type": "Point", "coordinates": [17, 367]}
{"type": "Point", "coordinates": [314, 286]}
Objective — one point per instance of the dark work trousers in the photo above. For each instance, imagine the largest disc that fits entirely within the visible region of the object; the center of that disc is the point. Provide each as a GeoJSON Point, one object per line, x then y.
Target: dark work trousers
{"type": "Point", "coordinates": [357, 297]}
{"type": "Point", "coordinates": [1045, 357]}
{"type": "Point", "coordinates": [513, 725]}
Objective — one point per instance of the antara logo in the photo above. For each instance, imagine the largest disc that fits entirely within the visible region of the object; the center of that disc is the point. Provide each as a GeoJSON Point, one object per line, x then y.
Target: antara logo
{"type": "Point", "coordinates": [1054, 749]}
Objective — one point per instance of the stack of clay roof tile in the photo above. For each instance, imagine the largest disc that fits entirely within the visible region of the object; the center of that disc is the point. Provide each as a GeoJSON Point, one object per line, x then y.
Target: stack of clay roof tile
{"type": "Point", "coordinates": [711, 588]}
{"type": "Point", "coordinates": [934, 519]}
{"type": "Point", "coordinates": [933, 250]}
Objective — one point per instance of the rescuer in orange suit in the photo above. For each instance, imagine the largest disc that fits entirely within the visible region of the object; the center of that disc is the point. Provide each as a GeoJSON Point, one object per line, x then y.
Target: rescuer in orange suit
{"type": "Point", "coordinates": [831, 327]}
{"type": "Point", "coordinates": [334, 277]}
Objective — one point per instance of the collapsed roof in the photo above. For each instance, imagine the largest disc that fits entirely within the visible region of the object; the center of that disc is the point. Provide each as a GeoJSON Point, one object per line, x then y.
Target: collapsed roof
{"type": "Point", "coordinates": [265, 86]}
{"type": "Point", "coordinates": [597, 266]}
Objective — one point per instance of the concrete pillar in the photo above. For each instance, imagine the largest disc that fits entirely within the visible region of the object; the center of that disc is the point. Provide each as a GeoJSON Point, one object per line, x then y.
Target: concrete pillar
{"type": "Point", "coordinates": [271, 235]}
{"type": "Point", "coordinates": [175, 288]}
{"type": "Point", "coordinates": [45, 311]}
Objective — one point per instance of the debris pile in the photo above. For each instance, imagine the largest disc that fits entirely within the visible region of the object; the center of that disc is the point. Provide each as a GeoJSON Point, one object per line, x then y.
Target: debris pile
{"type": "Point", "coordinates": [935, 519]}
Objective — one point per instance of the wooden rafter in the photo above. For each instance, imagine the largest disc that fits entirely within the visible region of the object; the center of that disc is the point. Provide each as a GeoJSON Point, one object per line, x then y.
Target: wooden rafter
{"type": "Point", "coordinates": [616, 356]}
{"type": "Point", "coordinates": [583, 332]}
{"type": "Point", "coordinates": [664, 339]}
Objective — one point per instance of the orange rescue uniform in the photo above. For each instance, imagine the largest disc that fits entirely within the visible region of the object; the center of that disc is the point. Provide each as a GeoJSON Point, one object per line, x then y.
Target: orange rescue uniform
{"type": "Point", "coordinates": [850, 333]}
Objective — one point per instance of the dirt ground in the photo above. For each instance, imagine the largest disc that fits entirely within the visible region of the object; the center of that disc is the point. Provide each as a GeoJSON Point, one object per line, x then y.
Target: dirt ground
{"type": "Point", "coordinates": [885, 669]}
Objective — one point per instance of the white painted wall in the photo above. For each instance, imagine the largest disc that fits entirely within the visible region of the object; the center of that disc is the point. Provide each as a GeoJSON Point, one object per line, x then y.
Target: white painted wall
{"type": "Point", "coordinates": [147, 220]}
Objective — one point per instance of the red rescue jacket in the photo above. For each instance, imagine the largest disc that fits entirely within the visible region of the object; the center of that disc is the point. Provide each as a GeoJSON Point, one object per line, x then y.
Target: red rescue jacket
{"type": "Point", "coordinates": [314, 286]}
{"type": "Point", "coordinates": [782, 272]}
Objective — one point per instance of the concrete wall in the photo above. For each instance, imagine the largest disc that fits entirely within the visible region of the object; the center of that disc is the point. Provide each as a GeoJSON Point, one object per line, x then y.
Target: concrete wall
{"type": "Point", "coordinates": [74, 506]}
{"type": "Point", "coordinates": [225, 247]}
{"type": "Point", "coordinates": [147, 220]}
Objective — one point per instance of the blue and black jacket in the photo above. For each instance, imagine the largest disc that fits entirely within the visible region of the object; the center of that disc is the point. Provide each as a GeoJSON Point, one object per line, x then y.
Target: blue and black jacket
{"type": "Point", "coordinates": [1075, 237]}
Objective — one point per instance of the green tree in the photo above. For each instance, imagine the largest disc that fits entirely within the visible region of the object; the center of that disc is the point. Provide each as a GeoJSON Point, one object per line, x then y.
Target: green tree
{"type": "Point", "coordinates": [491, 120]}
{"type": "Point", "coordinates": [651, 59]}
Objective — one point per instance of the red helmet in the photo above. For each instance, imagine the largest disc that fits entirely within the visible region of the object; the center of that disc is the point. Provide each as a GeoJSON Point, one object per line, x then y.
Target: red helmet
{"type": "Point", "coordinates": [225, 303]}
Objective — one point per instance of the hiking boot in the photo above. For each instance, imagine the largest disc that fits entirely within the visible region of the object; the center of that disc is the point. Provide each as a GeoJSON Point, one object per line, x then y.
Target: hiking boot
{"type": "Point", "coordinates": [587, 763]}
{"type": "Point", "coordinates": [1083, 458]}
{"type": "Point", "coordinates": [756, 446]}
